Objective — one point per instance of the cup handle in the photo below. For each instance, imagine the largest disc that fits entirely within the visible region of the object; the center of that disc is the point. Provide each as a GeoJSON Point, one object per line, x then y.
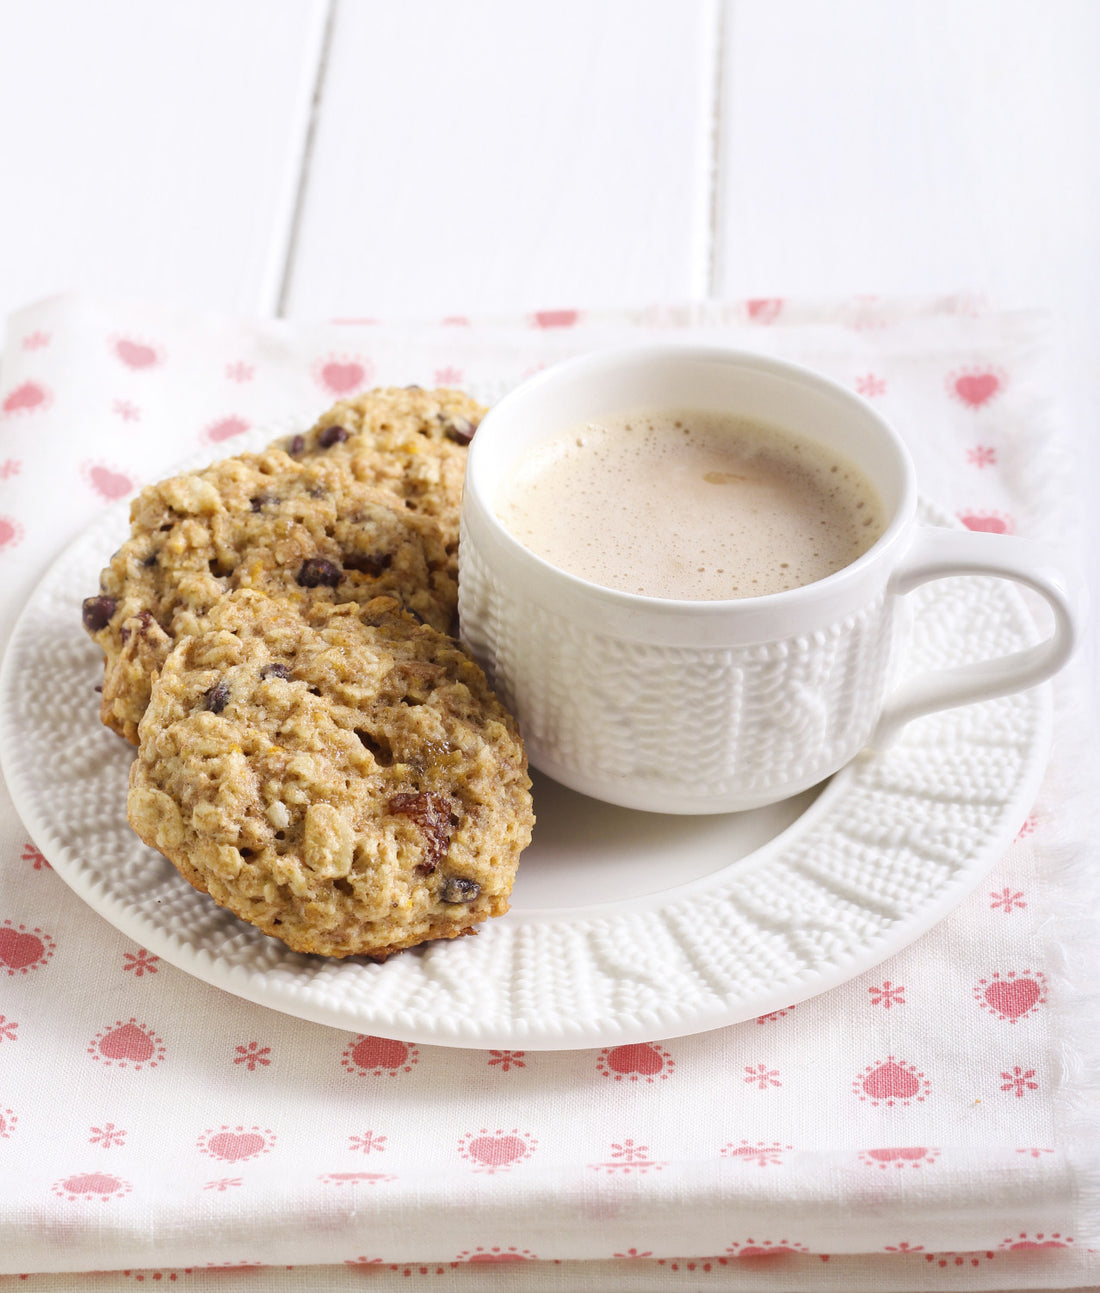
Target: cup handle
{"type": "Point", "coordinates": [938, 553]}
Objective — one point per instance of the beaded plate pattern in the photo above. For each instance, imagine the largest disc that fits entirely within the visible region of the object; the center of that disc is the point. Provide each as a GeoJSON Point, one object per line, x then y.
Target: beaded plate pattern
{"type": "Point", "coordinates": [890, 845]}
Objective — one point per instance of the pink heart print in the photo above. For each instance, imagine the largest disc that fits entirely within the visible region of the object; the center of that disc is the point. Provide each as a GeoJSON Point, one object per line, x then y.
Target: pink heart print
{"type": "Point", "coordinates": [91, 1185]}
{"type": "Point", "coordinates": [986, 522]}
{"type": "Point", "coordinates": [891, 1082]}
{"type": "Point", "coordinates": [556, 318]}
{"type": "Point", "coordinates": [30, 395]}
{"type": "Point", "coordinates": [225, 428]}
{"type": "Point", "coordinates": [109, 484]}
{"type": "Point", "coordinates": [1013, 999]}
{"type": "Point", "coordinates": [1013, 995]}
{"type": "Point", "coordinates": [976, 388]}
{"type": "Point", "coordinates": [498, 1151]}
{"type": "Point", "coordinates": [764, 309]}
{"type": "Point", "coordinates": [234, 1146]}
{"type": "Point", "coordinates": [638, 1061]}
{"type": "Point", "coordinates": [762, 1250]}
{"type": "Point", "coordinates": [343, 378]}
{"type": "Point", "coordinates": [355, 1178]}
{"type": "Point", "coordinates": [380, 1052]}
{"type": "Point", "coordinates": [899, 1157]}
{"type": "Point", "coordinates": [493, 1151]}
{"type": "Point", "coordinates": [20, 950]}
{"type": "Point", "coordinates": [379, 1056]}
{"type": "Point", "coordinates": [639, 1058]}
{"type": "Point", "coordinates": [128, 1043]}
{"type": "Point", "coordinates": [497, 1255]}
{"type": "Point", "coordinates": [134, 354]}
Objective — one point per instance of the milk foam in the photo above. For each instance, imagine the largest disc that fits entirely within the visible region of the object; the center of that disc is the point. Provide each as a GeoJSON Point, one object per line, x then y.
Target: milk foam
{"type": "Point", "coordinates": [688, 504]}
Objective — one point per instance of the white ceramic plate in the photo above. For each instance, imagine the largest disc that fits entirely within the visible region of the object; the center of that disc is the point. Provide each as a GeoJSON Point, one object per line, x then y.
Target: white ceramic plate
{"type": "Point", "coordinates": [625, 926]}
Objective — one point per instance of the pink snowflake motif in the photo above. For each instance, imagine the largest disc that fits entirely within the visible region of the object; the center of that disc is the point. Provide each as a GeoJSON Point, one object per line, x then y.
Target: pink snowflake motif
{"type": "Point", "coordinates": [869, 385]}
{"type": "Point", "coordinates": [628, 1156]}
{"type": "Point", "coordinates": [10, 467]}
{"type": "Point", "coordinates": [633, 1254]}
{"type": "Point", "coordinates": [251, 1055]}
{"type": "Point", "coordinates": [107, 1135]}
{"type": "Point", "coordinates": [35, 340]}
{"type": "Point", "coordinates": [762, 1076]}
{"type": "Point", "coordinates": [1028, 828]}
{"type": "Point", "coordinates": [1007, 900]}
{"type": "Point", "coordinates": [448, 376]}
{"type": "Point", "coordinates": [367, 1143]}
{"type": "Point", "coordinates": [240, 371]}
{"type": "Point", "coordinates": [223, 1183]}
{"type": "Point", "coordinates": [507, 1060]}
{"type": "Point", "coordinates": [127, 410]}
{"type": "Point", "coordinates": [904, 1247]}
{"type": "Point", "coordinates": [888, 995]}
{"type": "Point", "coordinates": [1019, 1081]}
{"type": "Point", "coordinates": [141, 962]}
{"type": "Point", "coordinates": [981, 456]}
{"type": "Point", "coordinates": [36, 857]}
{"type": "Point", "coordinates": [1034, 1152]}
{"type": "Point", "coordinates": [7, 1029]}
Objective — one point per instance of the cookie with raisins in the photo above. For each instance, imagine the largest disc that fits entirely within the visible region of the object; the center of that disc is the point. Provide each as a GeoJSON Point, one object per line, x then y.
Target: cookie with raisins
{"type": "Point", "coordinates": [405, 439]}
{"type": "Point", "coordinates": [349, 784]}
{"type": "Point", "coordinates": [306, 531]}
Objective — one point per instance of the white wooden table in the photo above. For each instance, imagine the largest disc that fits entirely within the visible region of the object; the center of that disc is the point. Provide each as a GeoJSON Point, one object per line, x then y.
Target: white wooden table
{"type": "Point", "coordinates": [349, 158]}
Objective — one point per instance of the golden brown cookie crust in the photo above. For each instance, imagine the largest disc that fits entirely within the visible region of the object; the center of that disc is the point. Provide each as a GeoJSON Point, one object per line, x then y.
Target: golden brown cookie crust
{"type": "Point", "coordinates": [307, 531]}
{"type": "Point", "coordinates": [349, 785]}
{"type": "Point", "coordinates": [405, 439]}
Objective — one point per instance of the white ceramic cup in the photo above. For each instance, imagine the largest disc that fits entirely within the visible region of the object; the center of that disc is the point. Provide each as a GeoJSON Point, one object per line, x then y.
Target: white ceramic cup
{"type": "Point", "coordinates": [683, 706]}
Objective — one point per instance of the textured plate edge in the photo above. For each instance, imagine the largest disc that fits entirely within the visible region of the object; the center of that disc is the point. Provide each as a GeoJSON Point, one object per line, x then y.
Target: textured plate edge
{"type": "Point", "coordinates": [403, 1024]}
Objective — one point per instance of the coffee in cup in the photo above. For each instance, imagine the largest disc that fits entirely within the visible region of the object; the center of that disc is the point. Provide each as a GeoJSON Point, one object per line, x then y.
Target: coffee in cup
{"type": "Point", "coordinates": [691, 503]}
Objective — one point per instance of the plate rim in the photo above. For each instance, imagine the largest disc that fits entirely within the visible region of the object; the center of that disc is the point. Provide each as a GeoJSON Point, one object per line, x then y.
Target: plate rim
{"type": "Point", "coordinates": [290, 996]}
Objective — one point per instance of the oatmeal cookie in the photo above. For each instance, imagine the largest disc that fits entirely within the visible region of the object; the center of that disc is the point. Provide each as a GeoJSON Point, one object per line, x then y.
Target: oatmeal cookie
{"type": "Point", "coordinates": [405, 439]}
{"type": "Point", "coordinates": [348, 785]}
{"type": "Point", "coordinates": [306, 531]}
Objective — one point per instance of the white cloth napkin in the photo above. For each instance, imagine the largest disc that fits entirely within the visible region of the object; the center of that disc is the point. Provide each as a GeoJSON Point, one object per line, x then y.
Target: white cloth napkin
{"type": "Point", "coordinates": [153, 1124]}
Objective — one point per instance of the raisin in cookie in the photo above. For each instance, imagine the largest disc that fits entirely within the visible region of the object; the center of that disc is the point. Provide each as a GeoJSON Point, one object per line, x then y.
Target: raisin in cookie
{"type": "Point", "coordinates": [349, 785]}
{"type": "Point", "coordinates": [308, 532]}
{"type": "Point", "coordinates": [405, 439]}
